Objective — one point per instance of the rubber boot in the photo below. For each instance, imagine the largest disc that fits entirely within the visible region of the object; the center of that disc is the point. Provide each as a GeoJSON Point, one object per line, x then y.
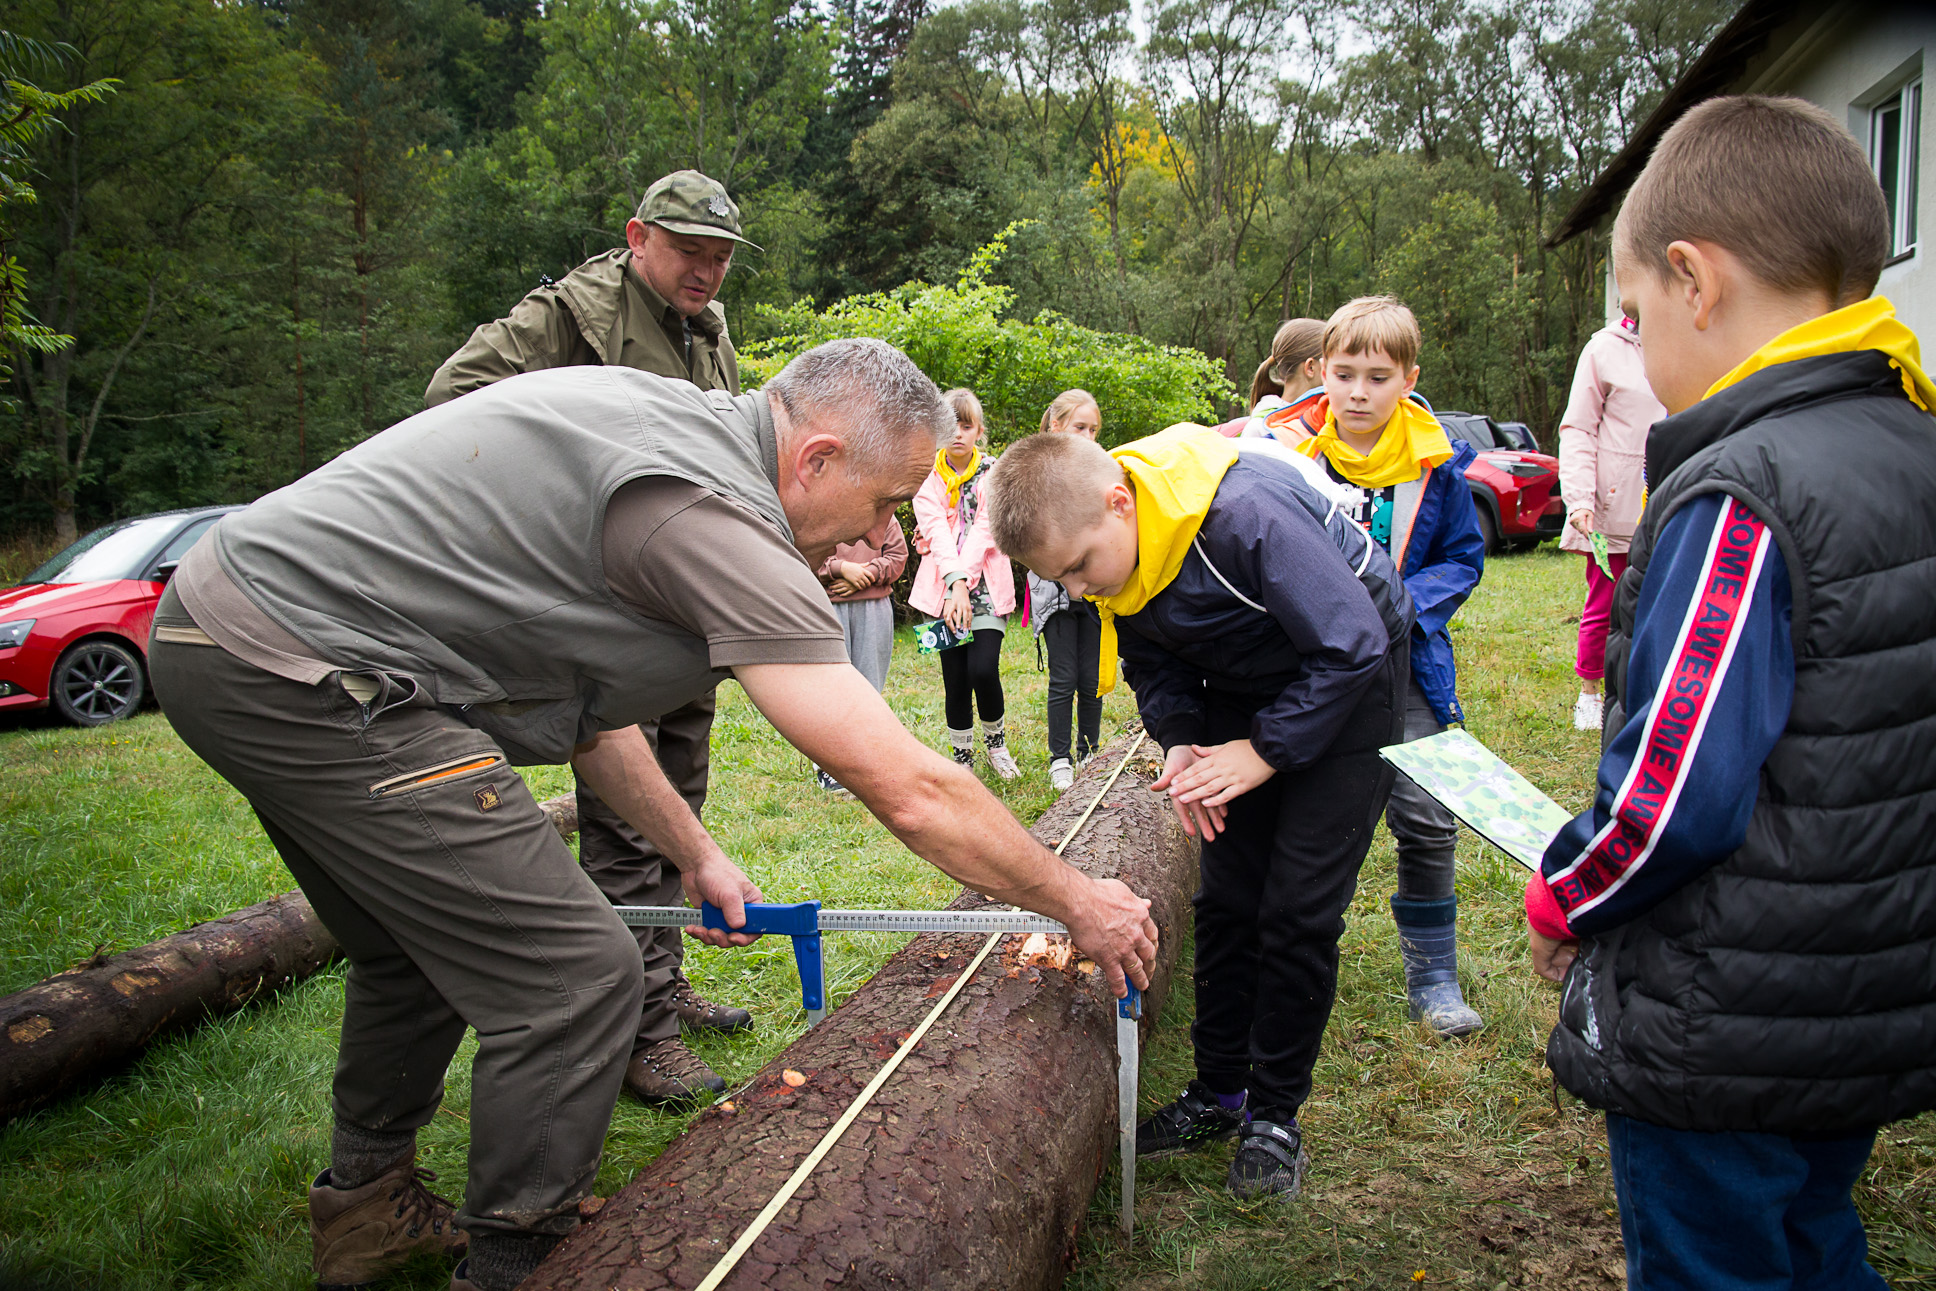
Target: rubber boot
{"type": "Point", "coordinates": [1428, 935]}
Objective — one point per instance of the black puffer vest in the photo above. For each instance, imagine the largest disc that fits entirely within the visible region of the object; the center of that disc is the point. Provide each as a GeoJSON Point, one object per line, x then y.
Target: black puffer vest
{"type": "Point", "coordinates": [1792, 988]}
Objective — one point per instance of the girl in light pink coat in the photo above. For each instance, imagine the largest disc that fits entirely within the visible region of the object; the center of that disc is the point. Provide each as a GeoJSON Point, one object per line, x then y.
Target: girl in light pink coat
{"type": "Point", "coordinates": [1603, 456]}
{"type": "Point", "coordinates": [967, 583]}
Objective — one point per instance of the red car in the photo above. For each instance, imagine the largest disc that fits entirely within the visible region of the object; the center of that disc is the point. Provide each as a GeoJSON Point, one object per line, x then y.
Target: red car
{"type": "Point", "coordinates": [1515, 487]}
{"type": "Point", "coordinates": [74, 633]}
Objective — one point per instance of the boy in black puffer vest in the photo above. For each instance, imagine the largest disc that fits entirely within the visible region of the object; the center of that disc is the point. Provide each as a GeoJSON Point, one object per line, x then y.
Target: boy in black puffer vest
{"type": "Point", "coordinates": [1746, 918]}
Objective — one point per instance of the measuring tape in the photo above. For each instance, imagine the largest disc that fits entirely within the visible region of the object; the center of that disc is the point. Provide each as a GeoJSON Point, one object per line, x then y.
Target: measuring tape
{"type": "Point", "coordinates": [804, 921]}
{"type": "Point", "coordinates": [744, 1242]}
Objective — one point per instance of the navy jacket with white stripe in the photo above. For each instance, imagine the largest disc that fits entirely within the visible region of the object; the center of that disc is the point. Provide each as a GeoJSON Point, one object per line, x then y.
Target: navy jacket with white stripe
{"type": "Point", "coordinates": [1283, 605]}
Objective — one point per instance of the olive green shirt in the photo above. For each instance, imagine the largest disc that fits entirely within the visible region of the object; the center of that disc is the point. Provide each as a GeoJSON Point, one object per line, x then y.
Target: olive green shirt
{"type": "Point", "coordinates": [600, 314]}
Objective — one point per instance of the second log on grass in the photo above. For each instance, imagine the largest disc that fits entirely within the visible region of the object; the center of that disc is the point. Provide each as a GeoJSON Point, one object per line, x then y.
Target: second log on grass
{"type": "Point", "coordinates": [974, 1165]}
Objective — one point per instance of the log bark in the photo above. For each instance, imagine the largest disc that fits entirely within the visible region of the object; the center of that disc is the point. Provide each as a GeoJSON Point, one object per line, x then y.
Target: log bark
{"type": "Point", "coordinates": [973, 1166]}
{"type": "Point", "coordinates": [563, 813]}
{"type": "Point", "coordinates": [89, 1020]}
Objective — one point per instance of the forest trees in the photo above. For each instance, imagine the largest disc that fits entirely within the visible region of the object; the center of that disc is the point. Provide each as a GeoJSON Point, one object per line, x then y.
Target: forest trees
{"type": "Point", "coordinates": [288, 212]}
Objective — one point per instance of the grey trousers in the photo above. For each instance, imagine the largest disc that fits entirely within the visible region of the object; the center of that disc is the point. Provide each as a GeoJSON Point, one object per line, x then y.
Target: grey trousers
{"type": "Point", "coordinates": [630, 870]}
{"type": "Point", "coordinates": [1427, 834]}
{"type": "Point", "coordinates": [869, 626]}
{"type": "Point", "coordinates": [456, 903]}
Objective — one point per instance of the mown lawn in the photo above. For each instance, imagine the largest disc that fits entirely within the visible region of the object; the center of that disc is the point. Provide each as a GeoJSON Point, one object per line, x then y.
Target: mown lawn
{"type": "Point", "coordinates": [1435, 1165]}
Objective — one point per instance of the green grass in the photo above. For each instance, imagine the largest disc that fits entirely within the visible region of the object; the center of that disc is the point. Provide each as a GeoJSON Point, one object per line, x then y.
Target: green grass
{"type": "Point", "coordinates": [188, 1170]}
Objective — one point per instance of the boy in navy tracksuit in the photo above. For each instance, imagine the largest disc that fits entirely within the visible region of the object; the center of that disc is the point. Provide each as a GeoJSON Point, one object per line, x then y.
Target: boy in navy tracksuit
{"type": "Point", "coordinates": [1745, 920]}
{"type": "Point", "coordinates": [1264, 635]}
{"type": "Point", "coordinates": [1405, 483]}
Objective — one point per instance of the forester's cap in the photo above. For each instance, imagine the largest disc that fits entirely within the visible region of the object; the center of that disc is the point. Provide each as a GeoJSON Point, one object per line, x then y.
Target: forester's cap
{"type": "Point", "coordinates": [688, 202]}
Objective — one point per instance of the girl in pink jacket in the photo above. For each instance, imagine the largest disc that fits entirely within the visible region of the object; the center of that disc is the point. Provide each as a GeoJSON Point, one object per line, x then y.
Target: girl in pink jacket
{"type": "Point", "coordinates": [1603, 455]}
{"type": "Point", "coordinates": [967, 583]}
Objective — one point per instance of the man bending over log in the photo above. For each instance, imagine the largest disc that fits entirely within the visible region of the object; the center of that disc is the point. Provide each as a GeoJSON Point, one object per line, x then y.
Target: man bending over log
{"type": "Point", "coordinates": [522, 576]}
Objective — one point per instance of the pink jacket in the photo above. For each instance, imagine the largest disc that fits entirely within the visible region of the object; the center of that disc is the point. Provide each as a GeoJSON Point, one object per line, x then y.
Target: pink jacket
{"type": "Point", "coordinates": [945, 549]}
{"type": "Point", "coordinates": [1603, 438]}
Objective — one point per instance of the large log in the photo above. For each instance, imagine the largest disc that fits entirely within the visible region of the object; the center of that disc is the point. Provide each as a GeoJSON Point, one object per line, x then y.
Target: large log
{"type": "Point", "coordinates": [93, 1019]}
{"type": "Point", "coordinates": [89, 1020]}
{"type": "Point", "coordinates": [972, 1167]}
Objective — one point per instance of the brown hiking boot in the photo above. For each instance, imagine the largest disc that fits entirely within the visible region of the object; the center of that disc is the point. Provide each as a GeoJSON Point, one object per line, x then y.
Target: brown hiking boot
{"type": "Point", "coordinates": [702, 1014]}
{"type": "Point", "coordinates": [359, 1234]}
{"type": "Point", "coordinates": [667, 1073]}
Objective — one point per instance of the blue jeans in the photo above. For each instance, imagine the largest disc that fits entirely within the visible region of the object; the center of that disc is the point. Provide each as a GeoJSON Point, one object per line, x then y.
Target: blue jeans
{"type": "Point", "coordinates": [1739, 1212]}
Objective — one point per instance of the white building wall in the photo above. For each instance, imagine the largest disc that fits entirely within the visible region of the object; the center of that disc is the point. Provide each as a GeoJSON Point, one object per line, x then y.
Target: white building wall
{"type": "Point", "coordinates": [1845, 63]}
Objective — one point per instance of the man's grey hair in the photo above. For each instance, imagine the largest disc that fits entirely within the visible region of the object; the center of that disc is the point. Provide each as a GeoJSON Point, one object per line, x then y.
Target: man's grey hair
{"type": "Point", "coordinates": [871, 394]}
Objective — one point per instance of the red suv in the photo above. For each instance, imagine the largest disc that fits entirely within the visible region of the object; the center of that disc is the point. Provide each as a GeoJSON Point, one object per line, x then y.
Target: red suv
{"type": "Point", "coordinates": [1514, 486]}
{"type": "Point", "coordinates": [74, 632]}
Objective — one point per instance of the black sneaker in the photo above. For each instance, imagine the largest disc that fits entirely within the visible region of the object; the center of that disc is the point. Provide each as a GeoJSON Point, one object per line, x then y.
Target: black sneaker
{"type": "Point", "coordinates": [833, 787]}
{"type": "Point", "coordinates": [1270, 1160]}
{"type": "Point", "coordinates": [1196, 1119]}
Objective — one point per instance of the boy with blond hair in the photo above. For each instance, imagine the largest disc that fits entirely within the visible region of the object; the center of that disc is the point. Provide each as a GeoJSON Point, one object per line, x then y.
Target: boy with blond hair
{"type": "Point", "coordinates": [1404, 481]}
{"type": "Point", "coordinates": [1264, 635]}
{"type": "Point", "coordinates": [1745, 920]}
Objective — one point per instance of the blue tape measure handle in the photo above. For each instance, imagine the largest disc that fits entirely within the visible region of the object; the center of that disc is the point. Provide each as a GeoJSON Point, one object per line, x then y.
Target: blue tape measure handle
{"type": "Point", "coordinates": [799, 919]}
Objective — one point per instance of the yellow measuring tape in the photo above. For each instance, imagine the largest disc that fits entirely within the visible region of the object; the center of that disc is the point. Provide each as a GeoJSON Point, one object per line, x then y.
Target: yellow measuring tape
{"type": "Point", "coordinates": [766, 1216]}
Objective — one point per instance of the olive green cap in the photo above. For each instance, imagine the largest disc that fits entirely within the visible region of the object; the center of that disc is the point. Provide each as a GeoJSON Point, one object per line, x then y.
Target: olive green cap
{"type": "Point", "coordinates": [688, 202]}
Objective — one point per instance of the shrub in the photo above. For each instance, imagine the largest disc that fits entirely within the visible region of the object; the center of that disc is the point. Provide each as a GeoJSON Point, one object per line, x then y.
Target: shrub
{"type": "Point", "coordinates": [959, 338]}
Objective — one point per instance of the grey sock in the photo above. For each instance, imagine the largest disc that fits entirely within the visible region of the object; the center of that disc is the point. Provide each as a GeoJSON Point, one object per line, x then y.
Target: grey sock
{"type": "Point", "coordinates": [357, 1155]}
{"type": "Point", "coordinates": [499, 1261]}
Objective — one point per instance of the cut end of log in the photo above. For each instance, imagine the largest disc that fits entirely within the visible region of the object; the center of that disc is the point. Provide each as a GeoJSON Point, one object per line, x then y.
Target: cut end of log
{"type": "Point", "coordinates": [563, 812]}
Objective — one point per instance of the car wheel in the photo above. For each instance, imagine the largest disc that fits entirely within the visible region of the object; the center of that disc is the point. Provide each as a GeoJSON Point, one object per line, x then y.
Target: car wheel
{"type": "Point", "coordinates": [97, 682]}
{"type": "Point", "coordinates": [1489, 530]}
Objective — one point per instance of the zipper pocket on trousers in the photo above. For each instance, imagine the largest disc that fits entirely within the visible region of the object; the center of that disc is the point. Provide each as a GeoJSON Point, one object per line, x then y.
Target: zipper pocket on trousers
{"type": "Point", "coordinates": [423, 779]}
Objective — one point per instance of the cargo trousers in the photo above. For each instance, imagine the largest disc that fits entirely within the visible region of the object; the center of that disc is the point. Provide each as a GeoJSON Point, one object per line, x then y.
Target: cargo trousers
{"type": "Point", "coordinates": [456, 904]}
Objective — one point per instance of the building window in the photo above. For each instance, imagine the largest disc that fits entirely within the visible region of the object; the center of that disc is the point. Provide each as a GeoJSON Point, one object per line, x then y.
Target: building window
{"type": "Point", "coordinates": [1894, 131]}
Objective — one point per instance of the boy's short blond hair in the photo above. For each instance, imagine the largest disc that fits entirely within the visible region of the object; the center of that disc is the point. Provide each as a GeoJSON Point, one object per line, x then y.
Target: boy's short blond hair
{"type": "Point", "coordinates": [1777, 182]}
{"type": "Point", "coordinates": [1046, 487]}
{"type": "Point", "coordinates": [1374, 323]}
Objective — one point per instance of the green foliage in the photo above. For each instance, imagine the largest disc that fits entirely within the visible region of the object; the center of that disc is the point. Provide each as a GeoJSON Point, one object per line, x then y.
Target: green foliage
{"type": "Point", "coordinates": [1455, 273]}
{"type": "Point", "coordinates": [265, 241]}
{"type": "Point", "coordinates": [959, 338]}
{"type": "Point", "coordinates": [26, 113]}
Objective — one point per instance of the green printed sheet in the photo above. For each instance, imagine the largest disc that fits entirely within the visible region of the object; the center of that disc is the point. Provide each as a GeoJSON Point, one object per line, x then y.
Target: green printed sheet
{"type": "Point", "coordinates": [1493, 800]}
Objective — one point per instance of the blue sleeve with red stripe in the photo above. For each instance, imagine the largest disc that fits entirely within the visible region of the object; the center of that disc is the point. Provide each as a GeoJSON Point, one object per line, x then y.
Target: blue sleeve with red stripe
{"type": "Point", "coordinates": [1710, 679]}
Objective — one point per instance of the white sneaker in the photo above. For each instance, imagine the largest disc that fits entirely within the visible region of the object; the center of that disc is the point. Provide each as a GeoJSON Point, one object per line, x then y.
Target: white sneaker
{"type": "Point", "coordinates": [1588, 712]}
{"type": "Point", "coordinates": [1061, 774]}
{"type": "Point", "coordinates": [1004, 762]}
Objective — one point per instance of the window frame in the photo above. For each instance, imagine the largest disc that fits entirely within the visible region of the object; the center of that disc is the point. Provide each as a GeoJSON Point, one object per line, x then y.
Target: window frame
{"type": "Point", "coordinates": [1905, 102]}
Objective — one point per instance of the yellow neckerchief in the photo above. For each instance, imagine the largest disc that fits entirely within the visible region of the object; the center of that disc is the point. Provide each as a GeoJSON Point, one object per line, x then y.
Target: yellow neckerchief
{"type": "Point", "coordinates": [951, 479]}
{"type": "Point", "coordinates": [1867, 325]}
{"type": "Point", "coordinates": [1411, 444]}
{"type": "Point", "coordinates": [1174, 474]}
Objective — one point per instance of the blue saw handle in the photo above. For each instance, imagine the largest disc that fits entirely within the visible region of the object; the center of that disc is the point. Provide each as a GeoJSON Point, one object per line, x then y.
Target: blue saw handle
{"type": "Point", "coordinates": [799, 920]}
{"type": "Point", "coordinates": [1131, 1005]}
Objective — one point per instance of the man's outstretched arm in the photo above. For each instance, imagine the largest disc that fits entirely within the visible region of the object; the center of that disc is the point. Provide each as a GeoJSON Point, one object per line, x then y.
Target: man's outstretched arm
{"type": "Point", "coordinates": [944, 814]}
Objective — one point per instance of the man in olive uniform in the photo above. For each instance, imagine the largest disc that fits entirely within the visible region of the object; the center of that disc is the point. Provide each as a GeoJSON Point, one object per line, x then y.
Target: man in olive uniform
{"type": "Point", "coordinates": [647, 305]}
